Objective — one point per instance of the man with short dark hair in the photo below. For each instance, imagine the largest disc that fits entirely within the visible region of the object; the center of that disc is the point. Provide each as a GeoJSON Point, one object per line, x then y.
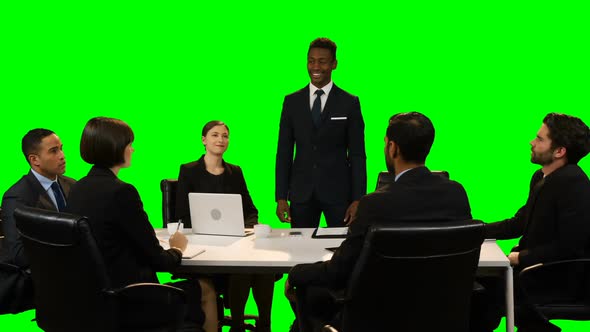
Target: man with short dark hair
{"type": "Point", "coordinates": [321, 162]}
{"type": "Point", "coordinates": [555, 221]}
{"type": "Point", "coordinates": [43, 187]}
{"type": "Point", "coordinates": [416, 195]}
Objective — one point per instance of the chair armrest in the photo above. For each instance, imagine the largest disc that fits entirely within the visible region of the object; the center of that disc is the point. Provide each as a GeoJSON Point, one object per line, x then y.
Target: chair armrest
{"type": "Point", "coordinates": [562, 281]}
{"type": "Point", "coordinates": [329, 328]}
{"type": "Point", "coordinates": [149, 304]}
{"type": "Point", "coordinates": [8, 267]}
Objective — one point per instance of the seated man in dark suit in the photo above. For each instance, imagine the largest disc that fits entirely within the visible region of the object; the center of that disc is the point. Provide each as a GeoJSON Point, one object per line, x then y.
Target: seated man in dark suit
{"type": "Point", "coordinates": [555, 221]}
{"type": "Point", "coordinates": [43, 187]}
{"type": "Point", "coordinates": [416, 195]}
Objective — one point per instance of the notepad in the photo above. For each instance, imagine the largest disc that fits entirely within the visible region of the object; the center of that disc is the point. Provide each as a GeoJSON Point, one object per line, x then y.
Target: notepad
{"type": "Point", "coordinates": [192, 251]}
{"type": "Point", "coordinates": [330, 232]}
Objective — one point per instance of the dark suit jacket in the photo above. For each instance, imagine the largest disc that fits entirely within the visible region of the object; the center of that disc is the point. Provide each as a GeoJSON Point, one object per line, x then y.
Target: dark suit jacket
{"type": "Point", "coordinates": [555, 221]}
{"type": "Point", "coordinates": [26, 192]}
{"type": "Point", "coordinates": [194, 178]}
{"type": "Point", "coordinates": [121, 228]}
{"type": "Point", "coordinates": [329, 161]}
{"type": "Point", "coordinates": [418, 195]}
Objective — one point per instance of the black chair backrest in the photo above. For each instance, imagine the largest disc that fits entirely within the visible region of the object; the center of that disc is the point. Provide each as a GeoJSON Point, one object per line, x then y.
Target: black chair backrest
{"type": "Point", "coordinates": [414, 277]}
{"type": "Point", "coordinates": [385, 177]}
{"type": "Point", "coordinates": [68, 271]}
{"type": "Point", "coordinates": [168, 187]}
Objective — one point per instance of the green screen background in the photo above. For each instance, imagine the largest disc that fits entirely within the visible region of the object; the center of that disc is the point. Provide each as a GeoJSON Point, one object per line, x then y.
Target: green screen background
{"type": "Point", "coordinates": [485, 73]}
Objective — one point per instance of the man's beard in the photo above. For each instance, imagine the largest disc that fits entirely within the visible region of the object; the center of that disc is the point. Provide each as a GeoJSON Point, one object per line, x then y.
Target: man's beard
{"type": "Point", "coordinates": [390, 165]}
{"type": "Point", "coordinates": [543, 158]}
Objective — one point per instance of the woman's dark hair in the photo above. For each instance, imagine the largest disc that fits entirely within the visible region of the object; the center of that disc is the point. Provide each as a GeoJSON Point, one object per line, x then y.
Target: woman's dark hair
{"type": "Point", "coordinates": [104, 141]}
{"type": "Point", "coordinates": [212, 124]}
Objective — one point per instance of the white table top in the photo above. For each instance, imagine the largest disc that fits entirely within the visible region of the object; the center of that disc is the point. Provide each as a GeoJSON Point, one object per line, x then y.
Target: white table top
{"type": "Point", "coordinates": [281, 251]}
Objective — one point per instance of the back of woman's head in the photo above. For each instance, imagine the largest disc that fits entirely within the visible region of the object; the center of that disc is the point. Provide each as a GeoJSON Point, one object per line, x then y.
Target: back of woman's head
{"type": "Point", "coordinates": [104, 141]}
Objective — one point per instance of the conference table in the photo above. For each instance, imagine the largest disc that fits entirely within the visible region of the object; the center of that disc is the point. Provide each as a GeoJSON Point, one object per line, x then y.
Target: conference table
{"type": "Point", "coordinates": [285, 248]}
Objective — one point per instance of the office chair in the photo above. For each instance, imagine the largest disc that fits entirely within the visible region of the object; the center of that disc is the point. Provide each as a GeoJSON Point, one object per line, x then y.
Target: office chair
{"type": "Point", "coordinates": [168, 188]}
{"type": "Point", "coordinates": [414, 276]}
{"type": "Point", "coordinates": [557, 290]}
{"type": "Point", "coordinates": [385, 177]}
{"type": "Point", "coordinates": [72, 288]}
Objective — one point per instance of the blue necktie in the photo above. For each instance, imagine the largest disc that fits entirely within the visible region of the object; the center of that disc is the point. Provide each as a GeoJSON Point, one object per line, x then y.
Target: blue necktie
{"type": "Point", "coordinates": [59, 196]}
{"type": "Point", "coordinates": [316, 110]}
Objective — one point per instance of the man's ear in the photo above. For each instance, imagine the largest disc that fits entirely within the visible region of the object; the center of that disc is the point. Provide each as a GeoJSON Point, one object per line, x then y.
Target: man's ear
{"type": "Point", "coordinates": [392, 149]}
{"type": "Point", "coordinates": [33, 159]}
{"type": "Point", "coordinates": [396, 151]}
{"type": "Point", "coordinates": [334, 64]}
{"type": "Point", "coordinates": [559, 152]}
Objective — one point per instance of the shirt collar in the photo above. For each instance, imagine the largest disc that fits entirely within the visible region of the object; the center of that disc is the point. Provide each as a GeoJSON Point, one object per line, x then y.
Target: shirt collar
{"type": "Point", "coordinates": [326, 88]}
{"type": "Point", "coordinates": [402, 173]}
{"type": "Point", "coordinates": [45, 182]}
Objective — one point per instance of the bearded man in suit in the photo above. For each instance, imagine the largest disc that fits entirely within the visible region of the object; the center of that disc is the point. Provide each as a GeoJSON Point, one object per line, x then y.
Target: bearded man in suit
{"type": "Point", "coordinates": [416, 195]}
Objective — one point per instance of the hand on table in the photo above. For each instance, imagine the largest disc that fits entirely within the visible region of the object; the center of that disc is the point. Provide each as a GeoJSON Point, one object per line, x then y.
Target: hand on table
{"type": "Point", "coordinates": [178, 240]}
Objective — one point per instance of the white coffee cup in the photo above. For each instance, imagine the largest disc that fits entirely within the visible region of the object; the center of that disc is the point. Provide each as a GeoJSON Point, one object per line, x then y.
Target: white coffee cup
{"type": "Point", "coordinates": [261, 230]}
{"type": "Point", "coordinates": [173, 226]}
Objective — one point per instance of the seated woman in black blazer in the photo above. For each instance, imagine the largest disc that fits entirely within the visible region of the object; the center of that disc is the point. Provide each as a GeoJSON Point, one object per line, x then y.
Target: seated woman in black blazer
{"type": "Point", "coordinates": [120, 225]}
{"type": "Point", "coordinates": [211, 174]}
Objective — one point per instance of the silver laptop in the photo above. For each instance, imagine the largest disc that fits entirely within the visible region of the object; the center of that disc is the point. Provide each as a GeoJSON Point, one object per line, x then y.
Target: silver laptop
{"type": "Point", "coordinates": [217, 214]}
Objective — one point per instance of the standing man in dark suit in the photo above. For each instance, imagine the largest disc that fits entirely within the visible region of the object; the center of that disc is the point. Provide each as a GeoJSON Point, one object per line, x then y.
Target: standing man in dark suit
{"type": "Point", "coordinates": [43, 187]}
{"type": "Point", "coordinates": [325, 127]}
{"type": "Point", "coordinates": [416, 195]}
{"type": "Point", "coordinates": [555, 221]}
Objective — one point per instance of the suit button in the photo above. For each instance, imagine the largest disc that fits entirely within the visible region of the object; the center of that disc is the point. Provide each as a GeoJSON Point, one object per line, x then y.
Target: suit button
{"type": "Point", "coordinates": [315, 166]}
{"type": "Point", "coordinates": [315, 148]}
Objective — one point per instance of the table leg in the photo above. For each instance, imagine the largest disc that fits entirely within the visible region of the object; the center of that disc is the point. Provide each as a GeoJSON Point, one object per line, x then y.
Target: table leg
{"type": "Point", "coordinates": [509, 300]}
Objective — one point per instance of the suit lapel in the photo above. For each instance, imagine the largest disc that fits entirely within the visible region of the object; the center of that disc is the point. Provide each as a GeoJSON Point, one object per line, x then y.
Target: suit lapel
{"type": "Point", "coordinates": [65, 186]}
{"type": "Point", "coordinates": [305, 114]}
{"type": "Point", "coordinates": [534, 195]}
{"type": "Point", "coordinates": [44, 201]}
{"type": "Point", "coordinates": [332, 100]}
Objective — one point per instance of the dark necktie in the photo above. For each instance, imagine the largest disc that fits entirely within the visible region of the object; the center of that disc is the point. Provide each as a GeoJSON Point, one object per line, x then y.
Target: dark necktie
{"type": "Point", "coordinates": [59, 196]}
{"type": "Point", "coordinates": [316, 110]}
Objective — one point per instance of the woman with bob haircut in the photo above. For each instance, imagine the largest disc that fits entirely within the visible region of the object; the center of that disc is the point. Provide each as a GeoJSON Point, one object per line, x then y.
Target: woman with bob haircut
{"type": "Point", "coordinates": [120, 225]}
{"type": "Point", "coordinates": [211, 174]}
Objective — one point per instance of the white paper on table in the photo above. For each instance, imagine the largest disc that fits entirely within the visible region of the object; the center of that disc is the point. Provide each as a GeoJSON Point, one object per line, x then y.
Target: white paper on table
{"type": "Point", "coordinates": [331, 231]}
{"type": "Point", "coordinates": [190, 252]}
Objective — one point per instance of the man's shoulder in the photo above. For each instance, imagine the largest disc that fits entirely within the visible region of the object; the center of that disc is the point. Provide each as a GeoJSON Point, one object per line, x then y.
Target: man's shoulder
{"type": "Point", "coordinates": [568, 174]}
{"type": "Point", "coordinates": [299, 93]}
{"type": "Point", "coordinates": [568, 181]}
{"type": "Point", "coordinates": [425, 184]}
{"type": "Point", "coordinates": [337, 91]}
{"type": "Point", "coordinates": [22, 187]}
